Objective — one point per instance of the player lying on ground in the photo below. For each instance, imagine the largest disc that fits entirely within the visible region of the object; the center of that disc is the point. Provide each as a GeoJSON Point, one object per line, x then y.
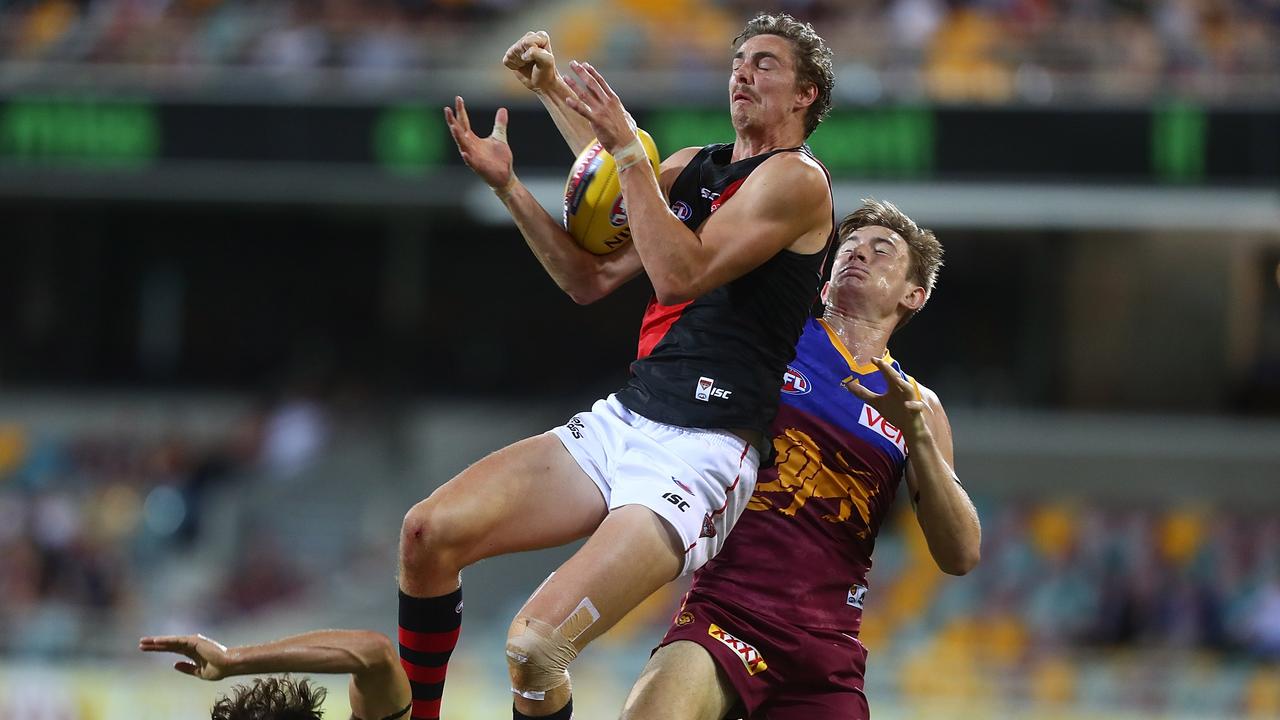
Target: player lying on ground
{"type": "Point", "coordinates": [769, 628]}
{"type": "Point", "coordinates": [378, 689]}
{"type": "Point", "coordinates": [657, 473]}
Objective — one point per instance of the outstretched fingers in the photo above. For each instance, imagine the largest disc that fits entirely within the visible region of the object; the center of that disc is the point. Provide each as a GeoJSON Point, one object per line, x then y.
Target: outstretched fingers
{"type": "Point", "coordinates": [460, 109]}
{"type": "Point", "coordinates": [895, 378]}
{"type": "Point", "coordinates": [601, 85]}
{"type": "Point", "coordinates": [165, 643]}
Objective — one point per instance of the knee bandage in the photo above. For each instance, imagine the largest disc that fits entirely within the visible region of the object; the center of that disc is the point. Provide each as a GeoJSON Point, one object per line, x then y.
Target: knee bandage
{"type": "Point", "coordinates": [538, 654]}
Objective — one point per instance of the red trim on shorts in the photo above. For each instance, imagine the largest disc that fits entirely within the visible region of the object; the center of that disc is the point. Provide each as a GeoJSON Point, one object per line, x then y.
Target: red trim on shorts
{"type": "Point", "coordinates": [430, 642]}
{"type": "Point", "coordinates": [729, 490]}
{"type": "Point", "coordinates": [658, 319]}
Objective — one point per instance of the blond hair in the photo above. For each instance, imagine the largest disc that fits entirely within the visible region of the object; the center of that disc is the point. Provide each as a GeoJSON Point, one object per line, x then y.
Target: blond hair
{"type": "Point", "coordinates": [922, 244]}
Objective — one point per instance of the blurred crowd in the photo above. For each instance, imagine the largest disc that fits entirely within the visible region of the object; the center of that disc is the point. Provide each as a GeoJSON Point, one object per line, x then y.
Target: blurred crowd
{"type": "Point", "coordinates": [1074, 602]}
{"type": "Point", "coordinates": [946, 50]}
{"type": "Point", "coordinates": [95, 523]}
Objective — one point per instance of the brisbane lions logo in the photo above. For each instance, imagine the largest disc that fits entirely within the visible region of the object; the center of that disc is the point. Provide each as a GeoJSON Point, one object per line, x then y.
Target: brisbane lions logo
{"type": "Point", "coordinates": [803, 475]}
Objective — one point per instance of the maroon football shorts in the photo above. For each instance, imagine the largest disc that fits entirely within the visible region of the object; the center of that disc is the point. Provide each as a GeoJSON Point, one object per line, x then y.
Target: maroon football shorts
{"type": "Point", "coordinates": [781, 672]}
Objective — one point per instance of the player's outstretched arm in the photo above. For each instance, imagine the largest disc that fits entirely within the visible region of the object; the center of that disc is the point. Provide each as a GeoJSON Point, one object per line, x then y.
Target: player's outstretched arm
{"type": "Point", "coordinates": [533, 63]}
{"type": "Point", "coordinates": [946, 515]}
{"type": "Point", "coordinates": [379, 687]}
{"type": "Point", "coordinates": [583, 276]}
{"type": "Point", "coordinates": [784, 204]}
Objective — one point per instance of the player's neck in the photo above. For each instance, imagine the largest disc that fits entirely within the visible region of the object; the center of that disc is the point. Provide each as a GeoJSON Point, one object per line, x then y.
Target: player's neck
{"type": "Point", "coordinates": [753, 141]}
{"type": "Point", "coordinates": [864, 338]}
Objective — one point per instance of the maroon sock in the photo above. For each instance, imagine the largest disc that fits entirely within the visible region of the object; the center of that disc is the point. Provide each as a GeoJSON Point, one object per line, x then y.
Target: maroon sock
{"type": "Point", "coordinates": [428, 633]}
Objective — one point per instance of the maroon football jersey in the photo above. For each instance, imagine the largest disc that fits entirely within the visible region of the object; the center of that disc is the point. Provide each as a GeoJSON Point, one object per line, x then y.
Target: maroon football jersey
{"type": "Point", "coordinates": [802, 549]}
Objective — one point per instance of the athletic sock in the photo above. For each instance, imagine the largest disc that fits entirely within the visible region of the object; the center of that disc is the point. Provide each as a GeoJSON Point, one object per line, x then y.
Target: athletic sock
{"type": "Point", "coordinates": [564, 713]}
{"type": "Point", "coordinates": [428, 633]}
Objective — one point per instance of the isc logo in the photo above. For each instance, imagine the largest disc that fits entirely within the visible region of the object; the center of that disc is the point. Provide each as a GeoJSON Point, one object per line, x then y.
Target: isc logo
{"type": "Point", "coordinates": [876, 422]}
{"type": "Point", "coordinates": [706, 389]}
{"type": "Point", "coordinates": [676, 500]}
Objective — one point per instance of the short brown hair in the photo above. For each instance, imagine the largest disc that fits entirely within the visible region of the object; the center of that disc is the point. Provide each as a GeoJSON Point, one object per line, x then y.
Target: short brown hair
{"type": "Point", "coordinates": [813, 58]}
{"type": "Point", "coordinates": [923, 245]}
{"type": "Point", "coordinates": [271, 698]}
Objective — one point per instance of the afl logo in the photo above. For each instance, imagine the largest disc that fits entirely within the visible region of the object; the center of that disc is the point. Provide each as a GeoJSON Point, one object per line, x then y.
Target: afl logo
{"type": "Point", "coordinates": [682, 210]}
{"type": "Point", "coordinates": [795, 383]}
{"type": "Point", "coordinates": [618, 217]}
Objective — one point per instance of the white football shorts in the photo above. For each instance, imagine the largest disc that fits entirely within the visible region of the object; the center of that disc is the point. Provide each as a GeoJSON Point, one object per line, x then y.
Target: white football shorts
{"type": "Point", "coordinates": [696, 479]}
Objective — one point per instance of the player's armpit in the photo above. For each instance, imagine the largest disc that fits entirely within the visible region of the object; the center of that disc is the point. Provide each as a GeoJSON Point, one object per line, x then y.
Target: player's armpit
{"type": "Point", "coordinates": [784, 204]}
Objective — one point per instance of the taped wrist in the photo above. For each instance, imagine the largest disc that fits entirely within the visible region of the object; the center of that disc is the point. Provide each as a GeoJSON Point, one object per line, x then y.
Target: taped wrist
{"type": "Point", "coordinates": [630, 154]}
{"type": "Point", "coordinates": [504, 191]}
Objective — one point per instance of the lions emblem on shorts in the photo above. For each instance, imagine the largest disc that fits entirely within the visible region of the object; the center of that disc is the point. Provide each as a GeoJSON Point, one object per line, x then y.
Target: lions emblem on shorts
{"type": "Point", "coordinates": [684, 618]}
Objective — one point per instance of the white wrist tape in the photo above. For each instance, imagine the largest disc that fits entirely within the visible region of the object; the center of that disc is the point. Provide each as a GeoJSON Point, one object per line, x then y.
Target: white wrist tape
{"type": "Point", "coordinates": [630, 154]}
{"type": "Point", "coordinates": [505, 191]}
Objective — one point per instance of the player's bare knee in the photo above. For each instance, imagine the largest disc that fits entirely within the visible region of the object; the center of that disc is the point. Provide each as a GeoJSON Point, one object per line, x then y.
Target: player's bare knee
{"type": "Point", "coordinates": [538, 657]}
{"type": "Point", "coordinates": [430, 538]}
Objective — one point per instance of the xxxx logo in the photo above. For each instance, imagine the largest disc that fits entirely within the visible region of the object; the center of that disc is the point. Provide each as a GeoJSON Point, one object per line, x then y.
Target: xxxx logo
{"type": "Point", "coordinates": [746, 652]}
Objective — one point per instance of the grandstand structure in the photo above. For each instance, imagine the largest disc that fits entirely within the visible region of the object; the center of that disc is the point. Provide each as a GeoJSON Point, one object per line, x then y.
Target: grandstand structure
{"type": "Point", "coordinates": [248, 294]}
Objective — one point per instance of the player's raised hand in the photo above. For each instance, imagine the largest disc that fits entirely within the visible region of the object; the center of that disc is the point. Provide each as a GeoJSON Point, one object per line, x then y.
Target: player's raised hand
{"type": "Point", "coordinates": [597, 102]}
{"type": "Point", "coordinates": [489, 157]}
{"type": "Point", "coordinates": [531, 60]}
{"type": "Point", "coordinates": [900, 403]}
{"type": "Point", "coordinates": [206, 659]}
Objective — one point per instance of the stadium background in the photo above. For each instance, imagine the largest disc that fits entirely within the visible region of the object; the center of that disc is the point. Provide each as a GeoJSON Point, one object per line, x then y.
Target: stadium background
{"type": "Point", "coordinates": [252, 307]}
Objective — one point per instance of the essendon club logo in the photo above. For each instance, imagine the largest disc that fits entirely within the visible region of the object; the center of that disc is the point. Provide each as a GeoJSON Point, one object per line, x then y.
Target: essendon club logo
{"type": "Point", "coordinates": [706, 390]}
{"type": "Point", "coordinates": [708, 527]}
{"type": "Point", "coordinates": [747, 653]}
{"type": "Point", "coordinates": [618, 217]}
{"type": "Point", "coordinates": [795, 383]}
{"type": "Point", "coordinates": [869, 418]}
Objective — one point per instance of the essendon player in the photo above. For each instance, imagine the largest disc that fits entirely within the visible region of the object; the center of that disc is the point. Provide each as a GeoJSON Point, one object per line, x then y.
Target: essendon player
{"type": "Point", "coordinates": [379, 689]}
{"type": "Point", "coordinates": [770, 625]}
{"type": "Point", "coordinates": [732, 238]}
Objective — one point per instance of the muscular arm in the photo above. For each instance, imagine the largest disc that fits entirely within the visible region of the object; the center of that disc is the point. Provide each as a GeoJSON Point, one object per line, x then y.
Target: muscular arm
{"type": "Point", "coordinates": [379, 687]}
{"type": "Point", "coordinates": [583, 276]}
{"type": "Point", "coordinates": [574, 128]}
{"type": "Point", "coordinates": [943, 508]}
{"type": "Point", "coordinates": [784, 203]}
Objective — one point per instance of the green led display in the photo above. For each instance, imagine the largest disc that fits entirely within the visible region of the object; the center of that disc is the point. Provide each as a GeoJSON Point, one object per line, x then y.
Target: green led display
{"type": "Point", "coordinates": [408, 139]}
{"type": "Point", "coordinates": [881, 142]}
{"type": "Point", "coordinates": [84, 133]}
{"type": "Point", "coordinates": [1178, 143]}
